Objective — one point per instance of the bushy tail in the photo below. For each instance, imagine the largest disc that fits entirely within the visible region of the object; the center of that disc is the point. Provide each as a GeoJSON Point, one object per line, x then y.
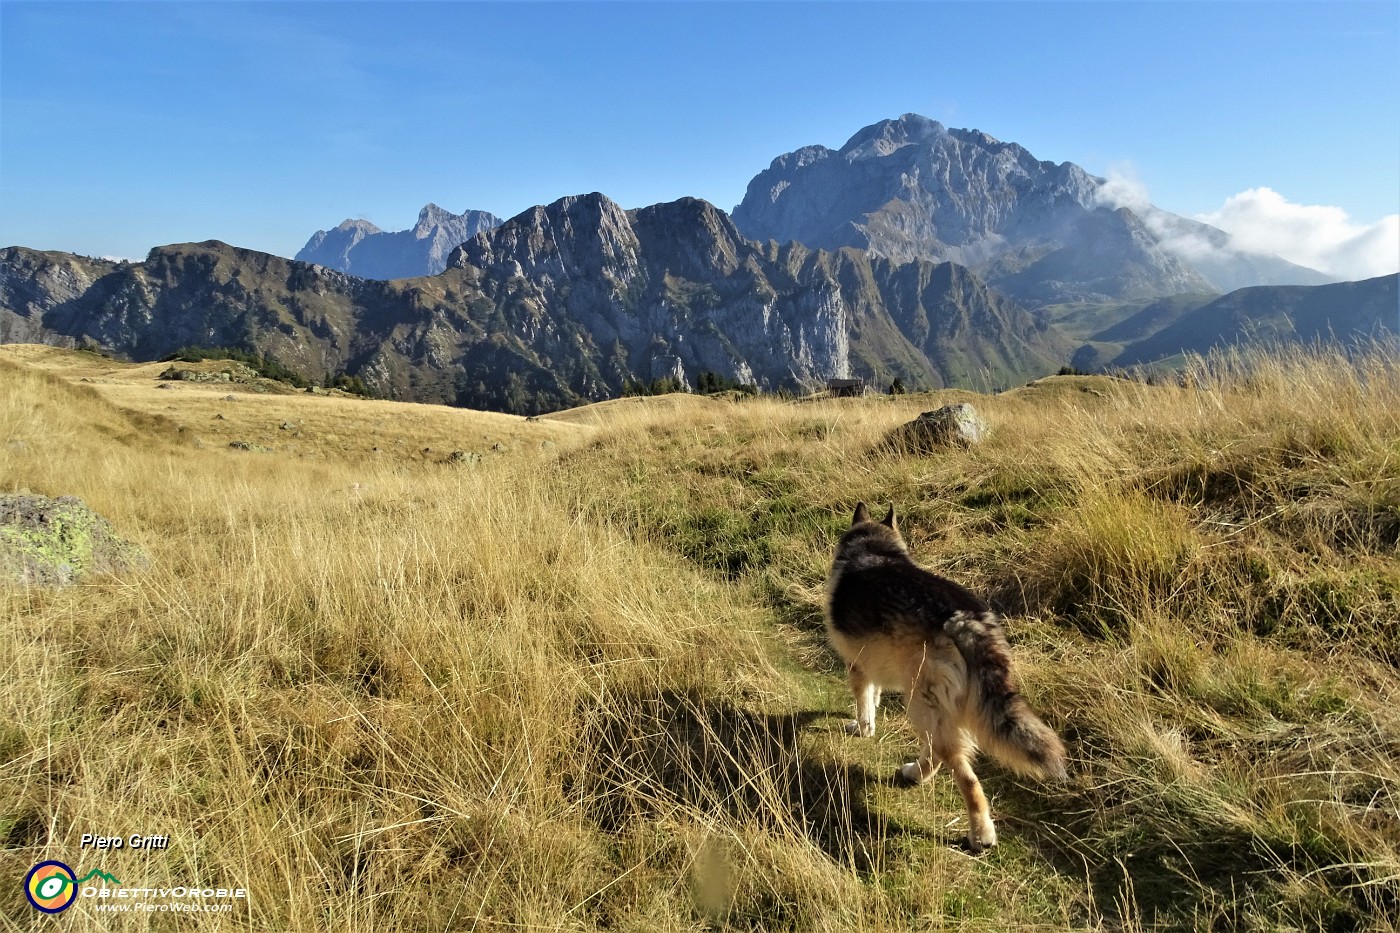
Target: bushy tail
{"type": "Point", "coordinates": [1000, 718]}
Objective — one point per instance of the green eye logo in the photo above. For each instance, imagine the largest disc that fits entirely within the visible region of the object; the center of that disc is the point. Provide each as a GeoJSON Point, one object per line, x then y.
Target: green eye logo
{"type": "Point", "coordinates": [50, 887]}
{"type": "Point", "coordinates": [53, 886]}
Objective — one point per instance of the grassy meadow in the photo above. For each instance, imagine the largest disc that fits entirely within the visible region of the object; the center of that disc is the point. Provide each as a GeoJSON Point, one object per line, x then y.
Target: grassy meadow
{"type": "Point", "coordinates": [580, 682]}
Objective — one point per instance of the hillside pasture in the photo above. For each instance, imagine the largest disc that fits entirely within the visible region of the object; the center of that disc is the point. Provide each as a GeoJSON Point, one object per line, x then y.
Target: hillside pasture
{"type": "Point", "coordinates": [581, 682]}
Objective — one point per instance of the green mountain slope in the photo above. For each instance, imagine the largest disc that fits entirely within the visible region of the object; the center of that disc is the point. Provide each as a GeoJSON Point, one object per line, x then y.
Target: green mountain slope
{"type": "Point", "coordinates": [1346, 311]}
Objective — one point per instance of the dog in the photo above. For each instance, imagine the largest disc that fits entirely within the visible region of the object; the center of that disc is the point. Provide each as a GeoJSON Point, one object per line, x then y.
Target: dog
{"type": "Point", "coordinates": [900, 627]}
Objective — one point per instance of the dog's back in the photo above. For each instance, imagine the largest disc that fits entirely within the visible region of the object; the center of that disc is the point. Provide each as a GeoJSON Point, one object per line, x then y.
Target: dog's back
{"type": "Point", "coordinates": [899, 627]}
{"type": "Point", "coordinates": [876, 589]}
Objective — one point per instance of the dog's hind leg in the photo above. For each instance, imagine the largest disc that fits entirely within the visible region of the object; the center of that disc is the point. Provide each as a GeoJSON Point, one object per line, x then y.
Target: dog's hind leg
{"type": "Point", "coordinates": [933, 710]}
{"type": "Point", "coordinates": [929, 725]}
{"type": "Point", "coordinates": [867, 698]}
{"type": "Point", "coordinates": [938, 686]}
{"type": "Point", "coordinates": [981, 834]}
{"type": "Point", "coordinates": [944, 743]}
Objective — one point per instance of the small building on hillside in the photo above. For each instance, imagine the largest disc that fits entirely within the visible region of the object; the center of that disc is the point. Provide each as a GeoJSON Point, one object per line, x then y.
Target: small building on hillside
{"type": "Point", "coordinates": [846, 388]}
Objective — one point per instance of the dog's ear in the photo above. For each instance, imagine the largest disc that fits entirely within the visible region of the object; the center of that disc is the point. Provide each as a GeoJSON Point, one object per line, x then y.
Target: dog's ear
{"type": "Point", "coordinates": [890, 520]}
{"type": "Point", "coordinates": [862, 515]}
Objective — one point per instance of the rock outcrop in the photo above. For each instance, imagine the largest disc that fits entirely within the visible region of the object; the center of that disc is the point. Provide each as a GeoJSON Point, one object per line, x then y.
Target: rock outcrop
{"type": "Point", "coordinates": [950, 426]}
{"type": "Point", "coordinates": [59, 541]}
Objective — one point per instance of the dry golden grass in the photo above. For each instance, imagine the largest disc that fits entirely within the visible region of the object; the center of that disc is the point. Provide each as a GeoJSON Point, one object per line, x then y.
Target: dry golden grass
{"type": "Point", "coordinates": [336, 427]}
{"type": "Point", "coordinates": [584, 686]}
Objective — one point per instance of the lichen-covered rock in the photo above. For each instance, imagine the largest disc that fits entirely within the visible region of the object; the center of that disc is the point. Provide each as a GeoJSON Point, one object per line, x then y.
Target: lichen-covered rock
{"type": "Point", "coordinates": [55, 542]}
{"type": "Point", "coordinates": [952, 425]}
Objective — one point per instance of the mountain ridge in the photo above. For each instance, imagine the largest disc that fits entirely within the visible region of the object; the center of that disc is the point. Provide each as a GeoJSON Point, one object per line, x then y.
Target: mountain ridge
{"type": "Point", "coordinates": [1345, 311]}
{"type": "Point", "coordinates": [906, 188]}
{"type": "Point", "coordinates": [579, 299]}
{"type": "Point", "coordinates": [564, 303]}
{"type": "Point", "coordinates": [1041, 232]}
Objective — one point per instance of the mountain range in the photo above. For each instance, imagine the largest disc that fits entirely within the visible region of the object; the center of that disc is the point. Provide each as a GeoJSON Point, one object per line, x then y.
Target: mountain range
{"type": "Point", "coordinates": [937, 257]}
{"type": "Point", "coordinates": [1270, 314]}
{"type": "Point", "coordinates": [362, 249]}
{"type": "Point", "coordinates": [912, 188]}
{"type": "Point", "coordinates": [562, 304]}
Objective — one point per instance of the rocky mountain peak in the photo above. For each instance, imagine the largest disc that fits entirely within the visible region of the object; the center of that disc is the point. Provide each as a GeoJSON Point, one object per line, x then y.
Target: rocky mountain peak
{"type": "Point", "coordinates": [431, 216]}
{"type": "Point", "coordinates": [675, 290]}
{"type": "Point", "coordinates": [979, 138]}
{"type": "Point", "coordinates": [696, 235]}
{"type": "Point", "coordinates": [887, 136]}
{"type": "Point", "coordinates": [572, 235]}
{"type": "Point", "coordinates": [801, 158]}
{"type": "Point", "coordinates": [363, 227]}
{"type": "Point", "coordinates": [911, 188]}
{"type": "Point", "coordinates": [360, 248]}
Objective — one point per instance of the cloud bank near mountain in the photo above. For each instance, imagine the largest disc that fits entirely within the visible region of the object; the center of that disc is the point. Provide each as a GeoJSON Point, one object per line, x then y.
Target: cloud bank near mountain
{"type": "Point", "coordinates": [1262, 221]}
{"type": "Point", "coordinates": [1314, 235]}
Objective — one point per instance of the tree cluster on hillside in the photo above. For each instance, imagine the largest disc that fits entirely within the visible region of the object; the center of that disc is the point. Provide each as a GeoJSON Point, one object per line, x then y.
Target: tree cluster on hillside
{"type": "Point", "coordinates": [263, 364]}
{"type": "Point", "coordinates": [707, 383]}
{"type": "Point", "coordinates": [269, 368]}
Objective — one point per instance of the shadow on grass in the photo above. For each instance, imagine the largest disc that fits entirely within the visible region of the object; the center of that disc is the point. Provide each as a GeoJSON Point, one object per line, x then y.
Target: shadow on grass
{"type": "Point", "coordinates": [1149, 863]}
{"type": "Point", "coordinates": [649, 756]}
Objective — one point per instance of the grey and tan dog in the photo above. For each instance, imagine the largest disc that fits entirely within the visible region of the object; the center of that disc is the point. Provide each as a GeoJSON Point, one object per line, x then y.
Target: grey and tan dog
{"type": "Point", "coordinates": [899, 627]}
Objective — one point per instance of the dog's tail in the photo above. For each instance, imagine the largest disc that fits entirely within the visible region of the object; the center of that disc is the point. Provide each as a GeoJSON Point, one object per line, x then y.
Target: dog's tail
{"type": "Point", "coordinates": [1001, 719]}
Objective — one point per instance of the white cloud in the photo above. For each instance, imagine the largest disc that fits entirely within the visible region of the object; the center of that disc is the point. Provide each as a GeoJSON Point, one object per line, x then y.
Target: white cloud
{"type": "Point", "coordinates": [1122, 188]}
{"type": "Point", "coordinates": [1324, 238]}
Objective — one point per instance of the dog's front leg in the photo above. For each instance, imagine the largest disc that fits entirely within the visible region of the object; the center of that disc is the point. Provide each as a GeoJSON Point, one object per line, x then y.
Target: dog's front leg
{"type": "Point", "coordinates": [867, 698]}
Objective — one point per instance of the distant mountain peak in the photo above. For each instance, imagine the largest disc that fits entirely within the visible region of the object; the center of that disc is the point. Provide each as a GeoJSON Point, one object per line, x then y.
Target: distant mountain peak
{"type": "Point", "coordinates": [431, 213]}
{"type": "Point", "coordinates": [364, 226]}
{"type": "Point", "coordinates": [911, 188]}
{"type": "Point", "coordinates": [881, 139]}
{"type": "Point", "coordinates": [358, 247]}
{"type": "Point", "coordinates": [432, 216]}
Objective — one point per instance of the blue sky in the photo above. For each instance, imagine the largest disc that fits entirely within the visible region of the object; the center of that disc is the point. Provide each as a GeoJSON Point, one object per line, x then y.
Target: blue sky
{"type": "Point", "coordinates": [126, 126]}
